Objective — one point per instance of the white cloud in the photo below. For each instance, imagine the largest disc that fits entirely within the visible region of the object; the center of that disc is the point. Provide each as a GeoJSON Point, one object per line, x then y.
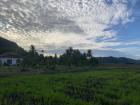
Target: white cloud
{"type": "Point", "coordinates": [63, 22]}
{"type": "Point", "coordinates": [131, 51]}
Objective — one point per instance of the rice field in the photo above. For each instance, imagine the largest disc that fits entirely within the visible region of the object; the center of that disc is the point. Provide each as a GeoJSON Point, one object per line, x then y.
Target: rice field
{"type": "Point", "coordinates": [103, 87]}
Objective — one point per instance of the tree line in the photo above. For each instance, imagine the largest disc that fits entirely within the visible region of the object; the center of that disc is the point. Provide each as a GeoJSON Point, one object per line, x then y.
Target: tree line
{"type": "Point", "coordinates": [71, 57]}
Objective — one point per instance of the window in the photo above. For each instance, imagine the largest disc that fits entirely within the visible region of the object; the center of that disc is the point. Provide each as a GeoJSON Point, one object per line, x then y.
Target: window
{"type": "Point", "coordinates": [9, 61]}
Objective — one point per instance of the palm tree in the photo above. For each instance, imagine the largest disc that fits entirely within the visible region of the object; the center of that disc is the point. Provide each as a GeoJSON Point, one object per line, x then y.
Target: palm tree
{"type": "Point", "coordinates": [32, 49]}
{"type": "Point", "coordinates": [89, 54]}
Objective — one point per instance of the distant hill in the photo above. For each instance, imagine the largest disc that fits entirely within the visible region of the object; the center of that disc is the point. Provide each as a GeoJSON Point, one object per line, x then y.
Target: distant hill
{"type": "Point", "coordinates": [117, 60]}
{"type": "Point", "coordinates": [9, 46]}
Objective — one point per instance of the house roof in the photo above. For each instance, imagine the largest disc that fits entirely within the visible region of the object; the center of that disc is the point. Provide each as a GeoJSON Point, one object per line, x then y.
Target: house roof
{"type": "Point", "coordinates": [10, 55]}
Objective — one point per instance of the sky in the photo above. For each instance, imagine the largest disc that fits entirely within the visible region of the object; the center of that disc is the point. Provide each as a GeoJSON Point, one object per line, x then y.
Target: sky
{"type": "Point", "coordinates": [108, 27]}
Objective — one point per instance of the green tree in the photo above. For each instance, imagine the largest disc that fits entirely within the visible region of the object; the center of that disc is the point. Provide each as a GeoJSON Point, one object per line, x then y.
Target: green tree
{"type": "Point", "coordinates": [32, 49]}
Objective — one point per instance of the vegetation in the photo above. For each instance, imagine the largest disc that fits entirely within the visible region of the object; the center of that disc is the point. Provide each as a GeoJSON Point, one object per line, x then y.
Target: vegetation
{"type": "Point", "coordinates": [120, 60]}
{"type": "Point", "coordinates": [72, 57]}
{"type": "Point", "coordinates": [8, 46]}
{"type": "Point", "coordinates": [73, 78]}
{"type": "Point", "coordinates": [102, 87]}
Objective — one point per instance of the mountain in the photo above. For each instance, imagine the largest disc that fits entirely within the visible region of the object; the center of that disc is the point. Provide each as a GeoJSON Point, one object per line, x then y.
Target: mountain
{"type": "Point", "coordinates": [112, 53]}
{"type": "Point", "coordinates": [9, 46]}
{"type": "Point", "coordinates": [117, 60]}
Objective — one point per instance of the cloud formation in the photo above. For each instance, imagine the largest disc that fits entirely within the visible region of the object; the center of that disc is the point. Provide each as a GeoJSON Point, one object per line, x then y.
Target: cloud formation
{"type": "Point", "coordinates": [57, 24]}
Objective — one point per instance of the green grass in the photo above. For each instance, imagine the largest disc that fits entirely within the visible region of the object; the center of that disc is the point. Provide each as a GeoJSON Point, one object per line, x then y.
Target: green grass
{"type": "Point", "coordinates": [104, 87]}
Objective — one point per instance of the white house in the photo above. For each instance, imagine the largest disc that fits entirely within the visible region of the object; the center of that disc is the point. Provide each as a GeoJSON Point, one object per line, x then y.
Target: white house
{"type": "Point", "coordinates": [10, 59]}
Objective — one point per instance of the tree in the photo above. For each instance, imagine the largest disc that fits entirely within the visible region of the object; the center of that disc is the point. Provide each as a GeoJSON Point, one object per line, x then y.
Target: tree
{"type": "Point", "coordinates": [32, 58]}
{"type": "Point", "coordinates": [89, 54]}
{"type": "Point", "coordinates": [32, 49]}
{"type": "Point", "coordinates": [71, 57]}
{"type": "Point", "coordinates": [55, 59]}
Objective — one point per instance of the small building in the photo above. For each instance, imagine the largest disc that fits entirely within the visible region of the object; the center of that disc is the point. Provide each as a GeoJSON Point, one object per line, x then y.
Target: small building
{"type": "Point", "coordinates": [10, 59]}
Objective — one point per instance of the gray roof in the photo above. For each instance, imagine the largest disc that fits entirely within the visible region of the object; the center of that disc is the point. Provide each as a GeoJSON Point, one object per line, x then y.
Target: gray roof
{"type": "Point", "coordinates": [10, 55]}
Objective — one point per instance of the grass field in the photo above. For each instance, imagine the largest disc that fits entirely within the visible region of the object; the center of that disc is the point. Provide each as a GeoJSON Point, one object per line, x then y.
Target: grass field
{"type": "Point", "coordinates": [103, 87]}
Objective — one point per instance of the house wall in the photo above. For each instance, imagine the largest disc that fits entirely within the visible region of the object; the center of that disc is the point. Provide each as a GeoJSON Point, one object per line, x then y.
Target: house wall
{"type": "Point", "coordinates": [5, 60]}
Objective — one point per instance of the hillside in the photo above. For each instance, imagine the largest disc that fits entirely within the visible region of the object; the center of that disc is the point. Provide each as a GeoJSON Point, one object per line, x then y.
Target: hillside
{"type": "Point", "coordinates": [9, 46]}
{"type": "Point", "coordinates": [117, 60]}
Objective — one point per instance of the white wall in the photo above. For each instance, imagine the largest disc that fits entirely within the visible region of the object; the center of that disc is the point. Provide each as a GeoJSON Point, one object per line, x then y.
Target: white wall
{"type": "Point", "coordinates": [14, 60]}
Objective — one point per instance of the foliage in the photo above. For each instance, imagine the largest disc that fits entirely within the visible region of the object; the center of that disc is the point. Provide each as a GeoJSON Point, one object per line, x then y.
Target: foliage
{"type": "Point", "coordinates": [8, 46]}
{"type": "Point", "coordinates": [70, 58]}
{"type": "Point", "coordinates": [104, 87]}
{"type": "Point", "coordinates": [32, 58]}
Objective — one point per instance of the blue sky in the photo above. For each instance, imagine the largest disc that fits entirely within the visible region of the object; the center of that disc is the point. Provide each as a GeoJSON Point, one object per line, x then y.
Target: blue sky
{"type": "Point", "coordinates": [108, 27]}
{"type": "Point", "coordinates": [131, 31]}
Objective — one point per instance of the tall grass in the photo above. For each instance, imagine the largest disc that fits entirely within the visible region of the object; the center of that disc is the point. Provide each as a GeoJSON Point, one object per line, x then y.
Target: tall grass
{"type": "Point", "coordinates": [116, 87]}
